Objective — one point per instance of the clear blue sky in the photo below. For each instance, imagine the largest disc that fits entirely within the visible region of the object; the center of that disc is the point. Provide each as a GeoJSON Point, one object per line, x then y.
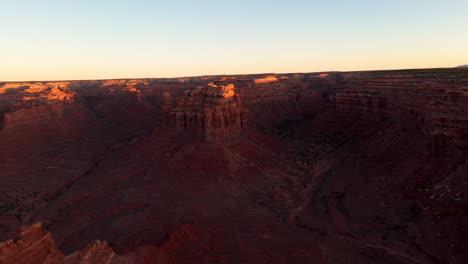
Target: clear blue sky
{"type": "Point", "coordinates": [65, 39]}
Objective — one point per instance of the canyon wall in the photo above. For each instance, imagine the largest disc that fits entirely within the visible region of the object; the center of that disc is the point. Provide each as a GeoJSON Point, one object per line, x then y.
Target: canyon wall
{"type": "Point", "coordinates": [399, 171]}
{"type": "Point", "coordinates": [272, 100]}
{"type": "Point", "coordinates": [436, 101]}
{"type": "Point", "coordinates": [37, 113]}
{"type": "Point", "coordinates": [35, 102]}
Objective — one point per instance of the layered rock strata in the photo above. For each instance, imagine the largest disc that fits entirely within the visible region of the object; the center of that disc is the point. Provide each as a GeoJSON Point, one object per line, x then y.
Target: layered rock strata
{"type": "Point", "coordinates": [436, 102]}
{"type": "Point", "coordinates": [39, 104]}
{"type": "Point", "coordinates": [48, 111]}
{"type": "Point", "coordinates": [214, 112]}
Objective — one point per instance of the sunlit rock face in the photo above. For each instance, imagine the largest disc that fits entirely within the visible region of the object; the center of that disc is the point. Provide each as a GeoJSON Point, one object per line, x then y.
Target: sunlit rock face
{"type": "Point", "coordinates": [39, 103]}
{"type": "Point", "coordinates": [35, 246]}
{"type": "Point", "coordinates": [214, 112]}
{"type": "Point", "coordinates": [266, 79]}
{"type": "Point", "coordinates": [271, 79]}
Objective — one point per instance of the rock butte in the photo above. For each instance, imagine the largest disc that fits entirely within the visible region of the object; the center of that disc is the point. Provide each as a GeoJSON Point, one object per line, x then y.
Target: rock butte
{"type": "Point", "coordinates": [215, 112]}
{"type": "Point", "coordinates": [368, 166]}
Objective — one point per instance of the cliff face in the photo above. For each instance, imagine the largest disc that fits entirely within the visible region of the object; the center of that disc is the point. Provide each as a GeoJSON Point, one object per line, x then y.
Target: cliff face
{"type": "Point", "coordinates": [38, 103]}
{"type": "Point", "coordinates": [38, 113]}
{"type": "Point", "coordinates": [215, 112]}
{"type": "Point", "coordinates": [437, 103]}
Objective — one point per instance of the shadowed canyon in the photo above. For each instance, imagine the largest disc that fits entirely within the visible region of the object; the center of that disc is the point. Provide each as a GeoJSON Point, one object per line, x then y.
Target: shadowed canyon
{"type": "Point", "coordinates": [336, 167]}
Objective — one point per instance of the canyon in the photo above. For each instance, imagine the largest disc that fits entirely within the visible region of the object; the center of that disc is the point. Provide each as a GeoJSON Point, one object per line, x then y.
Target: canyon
{"type": "Point", "coordinates": [330, 167]}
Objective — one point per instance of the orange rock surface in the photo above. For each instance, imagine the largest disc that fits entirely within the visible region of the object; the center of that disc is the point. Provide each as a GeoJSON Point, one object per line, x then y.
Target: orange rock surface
{"type": "Point", "coordinates": [35, 246]}
{"type": "Point", "coordinates": [267, 79]}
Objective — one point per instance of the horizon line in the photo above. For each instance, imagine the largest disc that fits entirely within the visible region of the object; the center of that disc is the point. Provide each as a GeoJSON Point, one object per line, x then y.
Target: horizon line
{"type": "Point", "coordinates": [233, 74]}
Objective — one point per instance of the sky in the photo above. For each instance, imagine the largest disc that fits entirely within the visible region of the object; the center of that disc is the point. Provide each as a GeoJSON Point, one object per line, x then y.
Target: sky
{"type": "Point", "coordinates": [105, 39]}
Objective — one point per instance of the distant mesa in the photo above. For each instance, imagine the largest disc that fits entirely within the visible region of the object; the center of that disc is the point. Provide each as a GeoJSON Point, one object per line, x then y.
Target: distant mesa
{"type": "Point", "coordinates": [39, 103]}
{"type": "Point", "coordinates": [266, 79]}
{"type": "Point", "coordinates": [462, 66]}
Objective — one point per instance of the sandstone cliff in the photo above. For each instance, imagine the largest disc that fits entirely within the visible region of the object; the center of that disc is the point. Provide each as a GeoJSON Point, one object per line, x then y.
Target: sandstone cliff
{"type": "Point", "coordinates": [38, 103]}
{"type": "Point", "coordinates": [37, 113]}
{"type": "Point", "coordinates": [215, 112]}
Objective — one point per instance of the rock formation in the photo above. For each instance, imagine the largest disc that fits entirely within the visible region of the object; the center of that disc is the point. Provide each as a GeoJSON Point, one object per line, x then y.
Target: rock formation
{"type": "Point", "coordinates": [437, 105]}
{"type": "Point", "coordinates": [39, 104]}
{"type": "Point", "coordinates": [36, 113]}
{"type": "Point", "coordinates": [34, 246]}
{"type": "Point", "coordinates": [266, 79]}
{"type": "Point", "coordinates": [214, 112]}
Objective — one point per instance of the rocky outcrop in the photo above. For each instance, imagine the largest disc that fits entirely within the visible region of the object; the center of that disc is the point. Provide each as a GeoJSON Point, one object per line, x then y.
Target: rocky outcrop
{"type": "Point", "coordinates": [214, 112]}
{"type": "Point", "coordinates": [34, 246]}
{"type": "Point", "coordinates": [96, 252]}
{"type": "Point", "coordinates": [38, 103]}
{"type": "Point", "coordinates": [37, 113]}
